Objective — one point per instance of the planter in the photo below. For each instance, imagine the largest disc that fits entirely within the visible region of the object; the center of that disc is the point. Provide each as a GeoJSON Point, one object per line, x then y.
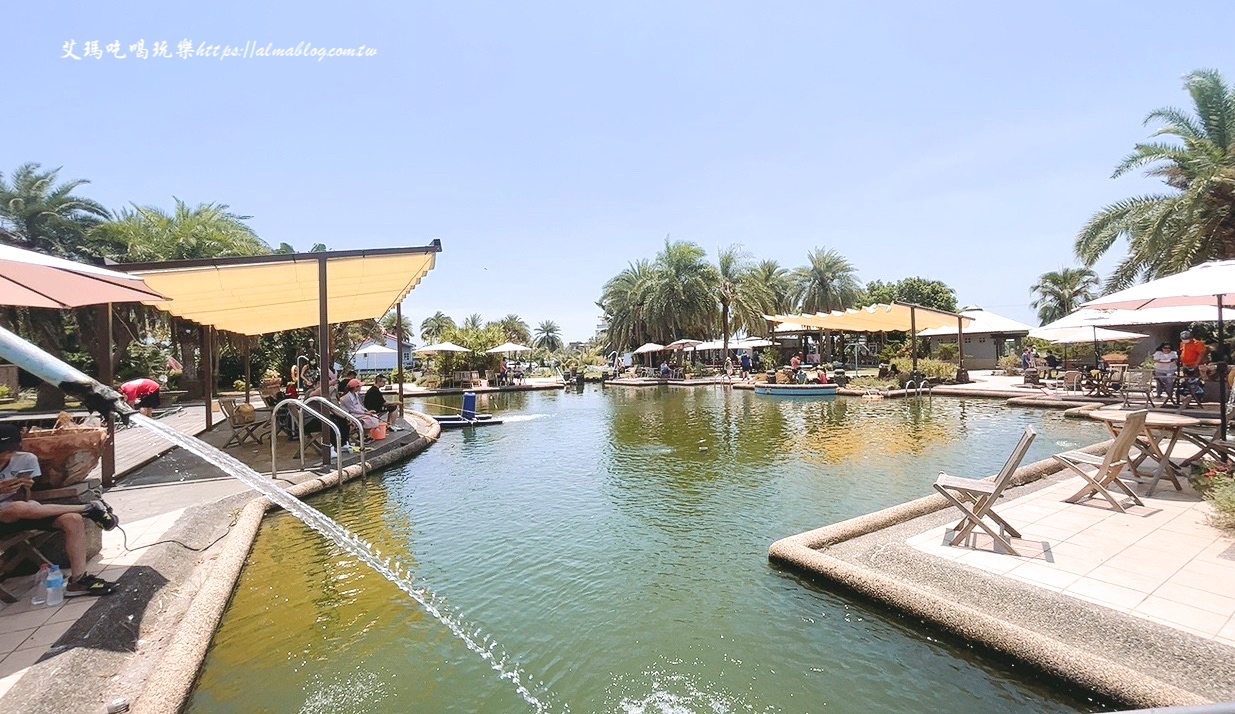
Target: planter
{"type": "Point", "coordinates": [66, 456]}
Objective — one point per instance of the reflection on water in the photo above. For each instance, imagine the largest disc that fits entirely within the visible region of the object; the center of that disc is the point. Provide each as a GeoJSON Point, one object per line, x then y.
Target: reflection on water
{"type": "Point", "coordinates": [614, 541]}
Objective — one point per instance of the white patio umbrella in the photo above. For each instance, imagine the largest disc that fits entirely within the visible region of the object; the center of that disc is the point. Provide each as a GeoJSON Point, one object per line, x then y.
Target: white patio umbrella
{"type": "Point", "coordinates": [374, 350]}
{"type": "Point", "coordinates": [442, 347]}
{"type": "Point", "coordinates": [31, 279]}
{"type": "Point", "coordinates": [1083, 333]}
{"type": "Point", "coordinates": [506, 348]}
{"type": "Point", "coordinates": [1206, 284]}
{"type": "Point", "coordinates": [683, 344]}
{"type": "Point", "coordinates": [648, 348]}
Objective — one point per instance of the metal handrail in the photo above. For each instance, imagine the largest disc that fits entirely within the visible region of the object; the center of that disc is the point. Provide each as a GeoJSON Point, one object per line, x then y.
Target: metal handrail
{"type": "Point", "coordinates": [918, 388]}
{"type": "Point", "coordinates": [274, 443]}
{"type": "Point", "coordinates": [364, 464]}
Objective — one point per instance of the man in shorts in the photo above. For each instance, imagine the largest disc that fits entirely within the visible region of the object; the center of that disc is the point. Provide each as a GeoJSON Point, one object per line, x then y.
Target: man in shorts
{"type": "Point", "coordinates": [18, 469]}
{"type": "Point", "coordinates": [142, 394]}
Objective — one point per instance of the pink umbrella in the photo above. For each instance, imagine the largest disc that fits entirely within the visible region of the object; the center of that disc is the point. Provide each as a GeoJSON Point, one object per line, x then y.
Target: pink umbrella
{"type": "Point", "coordinates": [32, 279]}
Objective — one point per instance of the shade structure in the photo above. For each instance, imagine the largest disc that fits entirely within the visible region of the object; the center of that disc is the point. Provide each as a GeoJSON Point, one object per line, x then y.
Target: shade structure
{"type": "Point", "coordinates": [887, 317]}
{"type": "Point", "coordinates": [648, 347]}
{"type": "Point", "coordinates": [507, 348]}
{"type": "Point", "coordinates": [442, 347]}
{"type": "Point", "coordinates": [751, 343]}
{"type": "Point", "coordinates": [1206, 284]}
{"type": "Point", "coordinates": [271, 293]}
{"type": "Point", "coordinates": [31, 279]}
{"type": "Point", "coordinates": [1148, 316]}
{"type": "Point", "coordinates": [883, 317]}
{"type": "Point", "coordinates": [374, 350]}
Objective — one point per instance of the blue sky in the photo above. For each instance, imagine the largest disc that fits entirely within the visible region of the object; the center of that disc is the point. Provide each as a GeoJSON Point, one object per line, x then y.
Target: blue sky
{"type": "Point", "coordinates": [549, 144]}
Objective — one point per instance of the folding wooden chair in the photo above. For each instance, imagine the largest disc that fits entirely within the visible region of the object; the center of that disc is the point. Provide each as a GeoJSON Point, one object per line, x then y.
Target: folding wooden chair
{"type": "Point", "coordinates": [1106, 469]}
{"type": "Point", "coordinates": [243, 430]}
{"type": "Point", "coordinates": [976, 498]}
{"type": "Point", "coordinates": [1138, 385]}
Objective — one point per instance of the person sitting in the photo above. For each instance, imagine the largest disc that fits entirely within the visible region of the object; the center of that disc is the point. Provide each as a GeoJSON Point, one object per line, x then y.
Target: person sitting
{"type": "Point", "coordinates": [142, 394]}
{"type": "Point", "coordinates": [665, 372]}
{"type": "Point", "coordinates": [1052, 364]}
{"type": "Point", "coordinates": [18, 469]}
{"type": "Point", "coordinates": [375, 402]}
{"type": "Point", "coordinates": [352, 404]}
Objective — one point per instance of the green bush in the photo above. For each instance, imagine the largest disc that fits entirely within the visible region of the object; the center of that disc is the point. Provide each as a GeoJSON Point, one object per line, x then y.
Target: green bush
{"type": "Point", "coordinates": [1221, 495]}
{"type": "Point", "coordinates": [946, 352]}
{"type": "Point", "coordinates": [769, 360]}
{"type": "Point", "coordinates": [4, 391]}
{"type": "Point", "coordinates": [933, 369]}
{"type": "Point", "coordinates": [1010, 364]}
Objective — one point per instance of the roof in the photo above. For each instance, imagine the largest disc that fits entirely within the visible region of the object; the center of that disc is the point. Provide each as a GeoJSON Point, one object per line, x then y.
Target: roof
{"type": "Point", "coordinates": [889, 317]}
{"type": "Point", "coordinates": [984, 323]}
{"type": "Point", "coordinates": [271, 293]}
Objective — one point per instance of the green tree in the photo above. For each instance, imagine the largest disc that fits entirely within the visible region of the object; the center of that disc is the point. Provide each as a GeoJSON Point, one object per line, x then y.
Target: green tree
{"type": "Point", "coordinates": [1192, 222]}
{"type": "Point", "coordinates": [827, 282]}
{"type": "Point", "coordinates": [207, 230]}
{"type": "Point", "coordinates": [390, 324]}
{"type": "Point", "coordinates": [918, 291]}
{"type": "Point", "coordinates": [624, 303]}
{"type": "Point", "coordinates": [434, 328]}
{"type": "Point", "coordinates": [548, 336]}
{"type": "Point", "coordinates": [743, 299]}
{"type": "Point", "coordinates": [514, 329]}
{"type": "Point", "coordinates": [473, 322]}
{"type": "Point", "coordinates": [779, 283]}
{"type": "Point", "coordinates": [680, 294]}
{"type": "Point", "coordinates": [1062, 292]}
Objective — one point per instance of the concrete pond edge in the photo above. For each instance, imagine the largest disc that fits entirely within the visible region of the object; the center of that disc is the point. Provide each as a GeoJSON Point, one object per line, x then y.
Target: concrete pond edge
{"type": "Point", "coordinates": [171, 682]}
{"type": "Point", "coordinates": [807, 553]}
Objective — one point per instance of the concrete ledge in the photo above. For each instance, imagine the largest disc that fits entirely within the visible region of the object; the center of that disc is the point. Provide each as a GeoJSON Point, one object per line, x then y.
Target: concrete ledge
{"type": "Point", "coordinates": [170, 683]}
{"type": "Point", "coordinates": [816, 553]}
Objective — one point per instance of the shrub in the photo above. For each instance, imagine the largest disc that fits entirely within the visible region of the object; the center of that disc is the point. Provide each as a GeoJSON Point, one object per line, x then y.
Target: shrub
{"type": "Point", "coordinates": [1010, 364]}
{"type": "Point", "coordinates": [238, 385]}
{"type": "Point", "coordinates": [769, 360]}
{"type": "Point", "coordinates": [4, 391]}
{"type": "Point", "coordinates": [946, 352]}
{"type": "Point", "coordinates": [933, 369]}
{"type": "Point", "coordinates": [1221, 495]}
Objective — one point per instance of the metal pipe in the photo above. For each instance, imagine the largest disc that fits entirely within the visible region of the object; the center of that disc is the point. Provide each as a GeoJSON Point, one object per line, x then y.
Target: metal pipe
{"type": "Point", "coordinates": [96, 397]}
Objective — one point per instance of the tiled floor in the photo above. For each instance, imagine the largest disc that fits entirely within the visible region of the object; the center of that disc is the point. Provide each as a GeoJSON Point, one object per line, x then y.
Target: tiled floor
{"type": "Point", "coordinates": [1160, 561]}
{"type": "Point", "coordinates": [27, 631]}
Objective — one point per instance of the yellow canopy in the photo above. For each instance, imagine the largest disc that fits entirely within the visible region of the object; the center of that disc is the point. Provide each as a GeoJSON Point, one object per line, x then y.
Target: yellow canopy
{"type": "Point", "coordinates": [892, 317]}
{"type": "Point", "coordinates": [270, 293]}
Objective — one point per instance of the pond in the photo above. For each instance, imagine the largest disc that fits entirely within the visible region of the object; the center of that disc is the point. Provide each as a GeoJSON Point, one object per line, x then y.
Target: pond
{"type": "Point", "coordinates": [613, 544]}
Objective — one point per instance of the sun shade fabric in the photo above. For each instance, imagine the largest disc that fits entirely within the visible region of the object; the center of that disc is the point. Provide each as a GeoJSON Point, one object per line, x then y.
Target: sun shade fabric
{"type": "Point", "coordinates": [32, 279]}
{"type": "Point", "coordinates": [274, 295]}
{"type": "Point", "coordinates": [1092, 333]}
{"type": "Point", "coordinates": [507, 347]}
{"type": "Point", "coordinates": [1202, 285]}
{"type": "Point", "coordinates": [893, 317]}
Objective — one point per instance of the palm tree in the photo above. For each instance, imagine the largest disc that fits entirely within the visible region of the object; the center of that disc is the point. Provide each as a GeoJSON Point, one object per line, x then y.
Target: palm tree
{"type": "Point", "coordinates": [1193, 222]}
{"type": "Point", "coordinates": [390, 324]}
{"type": "Point", "coordinates": [743, 298]}
{"type": "Point", "coordinates": [680, 293]}
{"type": "Point", "coordinates": [827, 282]}
{"type": "Point", "coordinates": [514, 329]}
{"type": "Point", "coordinates": [771, 274]}
{"type": "Point", "coordinates": [434, 328]}
{"type": "Point", "coordinates": [1062, 292]}
{"type": "Point", "coordinates": [548, 336]}
{"type": "Point", "coordinates": [40, 215]}
{"type": "Point", "coordinates": [624, 303]}
{"type": "Point", "coordinates": [207, 230]}
{"type": "Point", "coordinates": [473, 322]}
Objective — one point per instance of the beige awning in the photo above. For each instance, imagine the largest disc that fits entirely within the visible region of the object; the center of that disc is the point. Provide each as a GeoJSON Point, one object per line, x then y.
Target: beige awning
{"type": "Point", "coordinates": [893, 317]}
{"type": "Point", "coordinates": [271, 293]}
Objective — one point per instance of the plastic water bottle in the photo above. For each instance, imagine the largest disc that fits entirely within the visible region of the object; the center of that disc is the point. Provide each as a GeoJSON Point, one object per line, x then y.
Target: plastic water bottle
{"type": "Point", "coordinates": [55, 586]}
{"type": "Point", "coordinates": [40, 586]}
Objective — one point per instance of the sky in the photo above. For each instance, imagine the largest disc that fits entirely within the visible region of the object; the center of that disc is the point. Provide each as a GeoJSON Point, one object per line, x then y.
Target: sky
{"type": "Point", "coordinates": [549, 145]}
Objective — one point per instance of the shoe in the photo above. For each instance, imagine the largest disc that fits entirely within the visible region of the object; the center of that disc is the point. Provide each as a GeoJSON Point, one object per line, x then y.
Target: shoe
{"type": "Point", "coordinates": [88, 584]}
{"type": "Point", "coordinates": [102, 514]}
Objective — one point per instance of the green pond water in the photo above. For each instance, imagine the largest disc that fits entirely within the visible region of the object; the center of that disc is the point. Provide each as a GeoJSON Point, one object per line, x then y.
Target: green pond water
{"type": "Point", "coordinates": [622, 567]}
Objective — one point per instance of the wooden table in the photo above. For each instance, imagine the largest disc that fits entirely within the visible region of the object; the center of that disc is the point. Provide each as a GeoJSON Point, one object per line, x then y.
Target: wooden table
{"type": "Point", "coordinates": [1158, 425]}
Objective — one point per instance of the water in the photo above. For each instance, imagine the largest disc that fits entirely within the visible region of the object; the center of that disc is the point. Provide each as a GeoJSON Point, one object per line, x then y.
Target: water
{"type": "Point", "coordinates": [615, 543]}
{"type": "Point", "coordinates": [392, 569]}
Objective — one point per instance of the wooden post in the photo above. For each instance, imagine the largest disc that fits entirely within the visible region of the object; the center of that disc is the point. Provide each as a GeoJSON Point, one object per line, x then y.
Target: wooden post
{"type": "Point", "coordinates": [399, 346]}
{"type": "Point", "coordinates": [107, 376]}
{"type": "Point", "coordinates": [207, 358]}
{"type": "Point", "coordinates": [248, 366]}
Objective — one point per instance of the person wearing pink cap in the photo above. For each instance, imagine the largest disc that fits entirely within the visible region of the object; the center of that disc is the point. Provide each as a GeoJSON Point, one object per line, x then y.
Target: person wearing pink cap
{"type": "Point", "coordinates": [352, 404]}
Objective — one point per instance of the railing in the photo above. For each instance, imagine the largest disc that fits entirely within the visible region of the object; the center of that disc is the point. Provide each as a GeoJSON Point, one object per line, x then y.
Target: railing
{"type": "Point", "coordinates": [274, 442]}
{"type": "Point", "coordinates": [364, 464]}
{"type": "Point", "coordinates": [918, 386]}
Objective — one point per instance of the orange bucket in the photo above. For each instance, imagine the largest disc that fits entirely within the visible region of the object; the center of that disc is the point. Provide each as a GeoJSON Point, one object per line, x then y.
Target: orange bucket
{"type": "Point", "coordinates": [378, 432]}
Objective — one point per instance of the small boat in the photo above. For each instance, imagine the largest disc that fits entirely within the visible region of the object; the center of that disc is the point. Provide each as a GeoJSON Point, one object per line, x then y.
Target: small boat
{"type": "Point", "coordinates": [797, 390]}
{"type": "Point", "coordinates": [457, 421]}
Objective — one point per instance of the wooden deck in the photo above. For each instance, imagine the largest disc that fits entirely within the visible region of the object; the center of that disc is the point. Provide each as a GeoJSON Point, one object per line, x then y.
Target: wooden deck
{"type": "Point", "coordinates": [136, 447]}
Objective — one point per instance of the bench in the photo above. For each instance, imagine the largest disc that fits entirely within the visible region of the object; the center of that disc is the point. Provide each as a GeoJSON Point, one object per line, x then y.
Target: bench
{"type": "Point", "coordinates": [20, 543]}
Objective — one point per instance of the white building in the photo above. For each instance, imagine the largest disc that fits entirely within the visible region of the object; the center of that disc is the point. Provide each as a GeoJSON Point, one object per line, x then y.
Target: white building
{"type": "Point", "coordinates": [987, 338]}
{"type": "Point", "coordinates": [367, 362]}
